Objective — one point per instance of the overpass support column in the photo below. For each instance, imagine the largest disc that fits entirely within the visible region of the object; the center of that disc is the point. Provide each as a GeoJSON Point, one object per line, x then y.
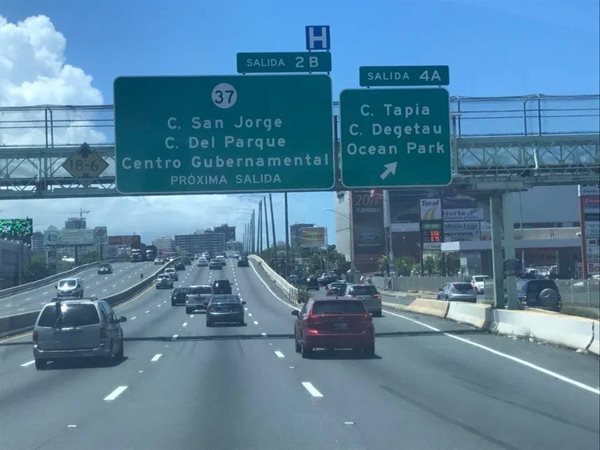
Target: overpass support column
{"type": "Point", "coordinates": [497, 254]}
{"type": "Point", "coordinates": [509, 253]}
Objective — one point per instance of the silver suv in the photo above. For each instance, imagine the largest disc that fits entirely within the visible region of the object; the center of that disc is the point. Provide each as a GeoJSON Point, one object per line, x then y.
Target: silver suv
{"type": "Point", "coordinates": [85, 328]}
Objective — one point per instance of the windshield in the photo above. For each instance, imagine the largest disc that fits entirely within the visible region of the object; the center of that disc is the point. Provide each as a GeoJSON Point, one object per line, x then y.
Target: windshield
{"type": "Point", "coordinates": [69, 315]}
{"type": "Point", "coordinates": [410, 158]}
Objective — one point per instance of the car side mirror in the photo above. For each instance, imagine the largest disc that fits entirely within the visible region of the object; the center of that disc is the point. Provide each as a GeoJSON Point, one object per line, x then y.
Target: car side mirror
{"type": "Point", "coordinates": [122, 319]}
{"type": "Point", "coordinates": [295, 313]}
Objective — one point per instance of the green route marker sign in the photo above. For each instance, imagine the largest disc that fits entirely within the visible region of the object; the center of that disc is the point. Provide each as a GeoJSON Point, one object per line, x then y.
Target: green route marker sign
{"type": "Point", "coordinates": [404, 75]}
{"type": "Point", "coordinates": [395, 138]}
{"type": "Point", "coordinates": [284, 62]}
{"type": "Point", "coordinates": [223, 134]}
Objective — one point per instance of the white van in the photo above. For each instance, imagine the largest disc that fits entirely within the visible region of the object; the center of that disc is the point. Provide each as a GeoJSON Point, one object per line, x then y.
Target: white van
{"type": "Point", "coordinates": [70, 287]}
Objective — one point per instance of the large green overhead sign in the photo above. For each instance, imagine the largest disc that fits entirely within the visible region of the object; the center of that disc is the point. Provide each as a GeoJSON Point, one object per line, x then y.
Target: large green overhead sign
{"type": "Point", "coordinates": [395, 138]}
{"type": "Point", "coordinates": [221, 134]}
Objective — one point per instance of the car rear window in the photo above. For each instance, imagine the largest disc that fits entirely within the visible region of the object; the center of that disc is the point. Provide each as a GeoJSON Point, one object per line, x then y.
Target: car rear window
{"type": "Point", "coordinates": [225, 299]}
{"type": "Point", "coordinates": [462, 287]}
{"type": "Point", "coordinates": [542, 284]}
{"type": "Point", "coordinates": [363, 290]}
{"type": "Point", "coordinates": [483, 278]}
{"type": "Point", "coordinates": [200, 290]}
{"type": "Point", "coordinates": [71, 315]}
{"type": "Point", "coordinates": [69, 283]}
{"type": "Point", "coordinates": [339, 307]}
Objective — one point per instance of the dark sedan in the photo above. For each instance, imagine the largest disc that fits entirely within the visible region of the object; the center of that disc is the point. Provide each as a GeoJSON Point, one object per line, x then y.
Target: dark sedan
{"type": "Point", "coordinates": [178, 296]}
{"type": "Point", "coordinates": [198, 298]}
{"type": "Point", "coordinates": [336, 288]}
{"type": "Point", "coordinates": [105, 269]}
{"type": "Point", "coordinates": [225, 308]}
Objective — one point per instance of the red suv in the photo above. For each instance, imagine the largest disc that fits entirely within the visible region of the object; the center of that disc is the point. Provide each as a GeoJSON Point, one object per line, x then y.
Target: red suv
{"type": "Point", "coordinates": [334, 323]}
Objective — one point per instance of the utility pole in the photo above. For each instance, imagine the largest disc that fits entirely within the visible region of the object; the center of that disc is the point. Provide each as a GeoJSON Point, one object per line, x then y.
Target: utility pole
{"type": "Point", "coordinates": [260, 241]}
{"type": "Point", "coordinates": [272, 221]}
{"type": "Point", "coordinates": [266, 221]}
{"type": "Point", "coordinates": [287, 237]}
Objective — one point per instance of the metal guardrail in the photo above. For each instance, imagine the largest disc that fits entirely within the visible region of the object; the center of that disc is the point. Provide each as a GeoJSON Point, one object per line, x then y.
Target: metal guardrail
{"type": "Point", "coordinates": [41, 282]}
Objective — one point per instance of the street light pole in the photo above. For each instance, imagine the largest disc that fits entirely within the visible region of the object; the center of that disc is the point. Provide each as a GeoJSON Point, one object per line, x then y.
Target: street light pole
{"type": "Point", "coordinates": [351, 231]}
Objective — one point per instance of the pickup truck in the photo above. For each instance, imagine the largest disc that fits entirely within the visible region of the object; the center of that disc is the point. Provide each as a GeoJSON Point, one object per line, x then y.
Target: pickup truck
{"type": "Point", "coordinates": [198, 298]}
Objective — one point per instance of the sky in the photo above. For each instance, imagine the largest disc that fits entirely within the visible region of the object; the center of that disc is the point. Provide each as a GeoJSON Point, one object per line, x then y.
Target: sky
{"type": "Point", "coordinates": [69, 52]}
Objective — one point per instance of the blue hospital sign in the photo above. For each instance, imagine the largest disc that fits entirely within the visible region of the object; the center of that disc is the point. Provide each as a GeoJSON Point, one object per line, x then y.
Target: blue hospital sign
{"type": "Point", "coordinates": [317, 37]}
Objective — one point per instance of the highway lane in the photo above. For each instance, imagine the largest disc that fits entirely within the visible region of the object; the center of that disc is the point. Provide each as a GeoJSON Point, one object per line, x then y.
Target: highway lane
{"type": "Point", "coordinates": [235, 387]}
{"type": "Point", "coordinates": [124, 275]}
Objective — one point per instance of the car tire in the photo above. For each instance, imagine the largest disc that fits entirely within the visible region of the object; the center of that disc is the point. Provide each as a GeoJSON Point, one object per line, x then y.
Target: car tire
{"type": "Point", "coordinates": [188, 311]}
{"type": "Point", "coordinates": [121, 352]}
{"type": "Point", "coordinates": [209, 323]}
{"type": "Point", "coordinates": [306, 351]}
{"type": "Point", "coordinates": [369, 351]}
{"type": "Point", "coordinates": [378, 314]}
{"type": "Point", "coordinates": [298, 346]}
{"type": "Point", "coordinates": [40, 364]}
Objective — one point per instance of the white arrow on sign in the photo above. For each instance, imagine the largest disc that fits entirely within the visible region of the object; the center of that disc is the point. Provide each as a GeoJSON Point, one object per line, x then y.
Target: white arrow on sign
{"type": "Point", "coordinates": [389, 168]}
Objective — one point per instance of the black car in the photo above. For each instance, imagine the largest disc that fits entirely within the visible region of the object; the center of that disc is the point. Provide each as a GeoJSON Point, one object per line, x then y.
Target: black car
{"type": "Point", "coordinates": [179, 266]}
{"type": "Point", "coordinates": [104, 269]}
{"type": "Point", "coordinates": [312, 283]}
{"type": "Point", "coordinates": [243, 262]}
{"type": "Point", "coordinates": [221, 287]}
{"type": "Point", "coordinates": [178, 296]}
{"type": "Point", "coordinates": [225, 308]}
{"type": "Point", "coordinates": [539, 293]}
{"type": "Point", "coordinates": [336, 288]}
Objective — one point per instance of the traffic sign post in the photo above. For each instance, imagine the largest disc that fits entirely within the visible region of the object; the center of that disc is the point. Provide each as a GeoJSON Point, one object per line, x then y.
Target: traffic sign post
{"type": "Point", "coordinates": [395, 138]}
{"type": "Point", "coordinates": [86, 163]}
{"type": "Point", "coordinates": [284, 62]}
{"type": "Point", "coordinates": [222, 134]}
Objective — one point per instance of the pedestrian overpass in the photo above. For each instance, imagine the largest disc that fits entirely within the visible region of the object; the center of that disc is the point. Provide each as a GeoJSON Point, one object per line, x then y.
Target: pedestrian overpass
{"type": "Point", "coordinates": [498, 143]}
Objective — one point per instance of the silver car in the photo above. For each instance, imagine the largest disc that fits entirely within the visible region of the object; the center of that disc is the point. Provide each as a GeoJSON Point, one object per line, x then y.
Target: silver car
{"type": "Point", "coordinates": [458, 292]}
{"type": "Point", "coordinates": [83, 328]}
{"type": "Point", "coordinates": [368, 294]}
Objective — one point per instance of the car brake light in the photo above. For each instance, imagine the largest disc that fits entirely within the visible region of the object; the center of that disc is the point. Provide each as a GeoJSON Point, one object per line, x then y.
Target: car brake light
{"type": "Point", "coordinates": [35, 337]}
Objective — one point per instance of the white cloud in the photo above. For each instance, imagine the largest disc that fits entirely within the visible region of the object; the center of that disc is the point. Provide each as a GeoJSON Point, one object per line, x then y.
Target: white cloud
{"type": "Point", "coordinates": [33, 69]}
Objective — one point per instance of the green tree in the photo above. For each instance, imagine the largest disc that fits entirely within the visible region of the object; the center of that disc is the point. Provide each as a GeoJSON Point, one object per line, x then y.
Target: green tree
{"type": "Point", "coordinates": [384, 264]}
{"type": "Point", "coordinates": [404, 265]}
{"type": "Point", "coordinates": [429, 265]}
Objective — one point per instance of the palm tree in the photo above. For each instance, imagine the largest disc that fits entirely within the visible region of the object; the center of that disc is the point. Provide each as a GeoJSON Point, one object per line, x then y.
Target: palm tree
{"type": "Point", "coordinates": [384, 264]}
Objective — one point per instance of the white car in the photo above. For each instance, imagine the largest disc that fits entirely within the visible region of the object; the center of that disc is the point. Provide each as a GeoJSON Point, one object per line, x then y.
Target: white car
{"type": "Point", "coordinates": [172, 273]}
{"type": "Point", "coordinates": [478, 282]}
{"type": "Point", "coordinates": [202, 262]}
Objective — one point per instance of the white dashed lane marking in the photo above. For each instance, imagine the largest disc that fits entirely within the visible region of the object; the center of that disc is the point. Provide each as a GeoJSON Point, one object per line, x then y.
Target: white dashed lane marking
{"type": "Point", "coordinates": [255, 322]}
{"type": "Point", "coordinates": [311, 389]}
{"type": "Point", "coordinates": [114, 394]}
{"type": "Point", "coordinates": [156, 357]}
{"type": "Point", "coordinates": [134, 317]}
{"type": "Point", "coordinates": [279, 354]}
{"type": "Point", "coordinates": [184, 324]}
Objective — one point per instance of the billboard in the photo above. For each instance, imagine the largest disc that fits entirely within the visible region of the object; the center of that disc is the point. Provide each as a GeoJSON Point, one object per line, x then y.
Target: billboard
{"type": "Point", "coordinates": [462, 231]}
{"type": "Point", "coordinates": [16, 229]}
{"type": "Point", "coordinates": [368, 230]}
{"type": "Point", "coordinates": [312, 237]}
{"type": "Point", "coordinates": [67, 238]}
{"type": "Point", "coordinates": [430, 208]}
{"type": "Point", "coordinates": [132, 241]}
{"type": "Point", "coordinates": [589, 207]}
{"type": "Point", "coordinates": [462, 214]}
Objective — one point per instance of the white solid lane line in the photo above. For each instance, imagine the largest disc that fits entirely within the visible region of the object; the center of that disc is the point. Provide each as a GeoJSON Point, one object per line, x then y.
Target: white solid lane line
{"type": "Point", "coordinates": [156, 357]}
{"type": "Point", "coordinates": [28, 363]}
{"type": "Point", "coordinates": [255, 322]}
{"type": "Point", "coordinates": [114, 394]}
{"type": "Point", "coordinates": [504, 355]}
{"type": "Point", "coordinates": [279, 354]}
{"type": "Point", "coordinates": [184, 324]}
{"type": "Point", "coordinates": [311, 389]}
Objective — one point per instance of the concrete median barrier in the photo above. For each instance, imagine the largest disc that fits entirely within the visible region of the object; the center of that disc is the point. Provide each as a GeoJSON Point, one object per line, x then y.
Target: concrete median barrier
{"type": "Point", "coordinates": [572, 332]}
{"type": "Point", "coordinates": [470, 313]}
{"type": "Point", "coordinates": [438, 308]}
{"type": "Point", "coordinates": [290, 290]}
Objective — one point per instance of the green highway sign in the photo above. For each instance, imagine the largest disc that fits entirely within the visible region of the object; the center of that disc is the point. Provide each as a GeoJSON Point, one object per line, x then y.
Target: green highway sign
{"type": "Point", "coordinates": [222, 134]}
{"type": "Point", "coordinates": [284, 62]}
{"type": "Point", "coordinates": [404, 75]}
{"type": "Point", "coordinates": [395, 138]}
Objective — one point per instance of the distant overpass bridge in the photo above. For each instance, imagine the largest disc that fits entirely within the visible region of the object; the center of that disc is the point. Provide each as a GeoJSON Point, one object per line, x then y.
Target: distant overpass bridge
{"type": "Point", "coordinates": [499, 143]}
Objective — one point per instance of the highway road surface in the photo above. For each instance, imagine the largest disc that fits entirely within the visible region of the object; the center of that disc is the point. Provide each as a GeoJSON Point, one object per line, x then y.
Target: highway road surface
{"type": "Point", "coordinates": [433, 384]}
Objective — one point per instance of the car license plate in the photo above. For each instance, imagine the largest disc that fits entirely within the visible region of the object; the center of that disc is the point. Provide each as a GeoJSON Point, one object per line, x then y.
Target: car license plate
{"type": "Point", "coordinates": [340, 326]}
